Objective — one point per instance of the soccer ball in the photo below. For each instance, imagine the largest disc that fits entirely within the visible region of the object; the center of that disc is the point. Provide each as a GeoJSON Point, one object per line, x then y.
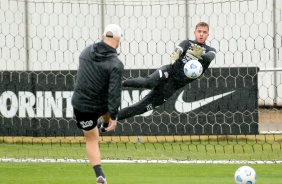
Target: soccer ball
{"type": "Point", "coordinates": [193, 69]}
{"type": "Point", "coordinates": [245, 175]}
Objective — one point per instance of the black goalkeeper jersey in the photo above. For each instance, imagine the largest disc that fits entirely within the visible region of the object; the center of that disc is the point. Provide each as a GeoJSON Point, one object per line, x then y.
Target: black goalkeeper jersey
{"type": "Point", "coordinates": [165, 81]}
{"type": "Point", "coordinates": [177, 67]}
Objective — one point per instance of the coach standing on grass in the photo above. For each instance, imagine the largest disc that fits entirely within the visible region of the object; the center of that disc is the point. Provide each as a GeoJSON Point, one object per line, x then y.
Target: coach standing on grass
{"type": "Point", "coordinates": [98, 91]}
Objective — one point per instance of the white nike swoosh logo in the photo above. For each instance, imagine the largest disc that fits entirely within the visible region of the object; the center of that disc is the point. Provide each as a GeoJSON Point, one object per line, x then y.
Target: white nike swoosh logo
{"type": "Point", "coordinates": [184, 107]}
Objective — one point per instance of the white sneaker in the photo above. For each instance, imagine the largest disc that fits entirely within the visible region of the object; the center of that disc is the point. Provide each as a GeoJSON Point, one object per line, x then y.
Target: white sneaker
{"type": "Point", "coordinates": [101, 180]}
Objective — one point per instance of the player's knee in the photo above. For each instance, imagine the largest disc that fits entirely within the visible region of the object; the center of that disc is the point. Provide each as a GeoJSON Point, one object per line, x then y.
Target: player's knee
{"type": "Point", "coordinates": [91, 138]}
{"type": "Point", "coordinates": [91, 135]}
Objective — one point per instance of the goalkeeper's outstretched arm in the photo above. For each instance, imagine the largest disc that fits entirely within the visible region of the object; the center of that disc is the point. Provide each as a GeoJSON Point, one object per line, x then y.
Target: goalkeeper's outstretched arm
{"type": "Point", "coordinates": [208, 57]}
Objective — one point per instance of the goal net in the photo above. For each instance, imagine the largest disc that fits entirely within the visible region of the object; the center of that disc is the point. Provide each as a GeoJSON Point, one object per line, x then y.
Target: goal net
{"type": "Point", "coordinates": [232, 113]}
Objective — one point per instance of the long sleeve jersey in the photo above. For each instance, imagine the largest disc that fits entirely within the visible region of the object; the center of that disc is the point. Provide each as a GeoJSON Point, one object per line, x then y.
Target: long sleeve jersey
{"type": "Point", "coordinates": [99, 76]}
{"type": "Point", "coordinates": [177, 71]}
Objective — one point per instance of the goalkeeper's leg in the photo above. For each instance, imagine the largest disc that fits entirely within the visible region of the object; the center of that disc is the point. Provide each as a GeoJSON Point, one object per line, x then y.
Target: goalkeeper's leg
{"type": "Point", "coordinates": [156, 78]}
{"type": "Point", "coordinates": [151, 101]}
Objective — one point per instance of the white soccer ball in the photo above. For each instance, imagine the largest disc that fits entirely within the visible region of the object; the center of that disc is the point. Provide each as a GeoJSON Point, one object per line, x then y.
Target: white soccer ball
{"type": "Point", "coordinates": [193, 69]}
{"type": "Point", "coordinates": [245, 175]}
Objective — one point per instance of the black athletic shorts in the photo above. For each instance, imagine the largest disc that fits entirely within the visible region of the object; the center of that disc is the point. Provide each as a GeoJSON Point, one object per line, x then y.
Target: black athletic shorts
{"type": "Point", "coordinates": [86, 120]}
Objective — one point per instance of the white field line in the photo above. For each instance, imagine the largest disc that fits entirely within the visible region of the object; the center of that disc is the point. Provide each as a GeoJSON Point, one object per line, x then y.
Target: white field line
{"type": "Point", "coordinates": [143, 161]}
{"type": "Point", "coordinates": [270, 132]}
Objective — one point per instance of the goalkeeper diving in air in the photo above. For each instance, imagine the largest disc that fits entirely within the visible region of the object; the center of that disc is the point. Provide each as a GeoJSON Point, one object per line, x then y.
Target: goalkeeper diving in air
{"type": "Point", "coordinates": [166, 80]}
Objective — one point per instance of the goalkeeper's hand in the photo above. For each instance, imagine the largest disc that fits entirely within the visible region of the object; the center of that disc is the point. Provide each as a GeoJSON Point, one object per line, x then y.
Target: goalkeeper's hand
{"type": "Point", "coordinates": [197, 51]}
{"type": "Point", "coordinates": [176, 54]}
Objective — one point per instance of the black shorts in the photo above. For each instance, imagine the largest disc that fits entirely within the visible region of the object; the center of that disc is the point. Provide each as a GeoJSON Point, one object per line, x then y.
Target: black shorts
{"type": "Point", "coordinates": [86, 120]}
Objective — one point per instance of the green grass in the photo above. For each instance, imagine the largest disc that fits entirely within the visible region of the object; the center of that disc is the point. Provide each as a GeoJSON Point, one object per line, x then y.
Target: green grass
{"type": "Point", "coordinates": [143, 173]}
{"type": "Point", "coordinates": [204, 150]}
{"type": "Point", "coordinates": [134, 173]}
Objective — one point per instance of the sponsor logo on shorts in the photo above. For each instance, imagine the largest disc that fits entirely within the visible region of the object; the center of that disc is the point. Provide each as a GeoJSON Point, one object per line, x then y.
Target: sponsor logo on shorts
{"type": "Point", "coordinates": [86, 124]}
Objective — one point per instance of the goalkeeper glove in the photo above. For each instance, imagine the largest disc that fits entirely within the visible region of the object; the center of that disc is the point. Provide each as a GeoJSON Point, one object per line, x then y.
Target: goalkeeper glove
{"type": "Point", "coordinates": [197, 51]}
{"type": "Point", "coordinates": [176, 53]}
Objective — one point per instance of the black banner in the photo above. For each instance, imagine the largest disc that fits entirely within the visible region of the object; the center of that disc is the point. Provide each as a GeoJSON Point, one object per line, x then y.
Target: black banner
{"type": "Point", "coordinates": [223, 101]}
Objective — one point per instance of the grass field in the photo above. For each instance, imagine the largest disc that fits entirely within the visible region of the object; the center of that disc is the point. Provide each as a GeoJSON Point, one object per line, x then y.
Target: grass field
{"type": "Point", "coordinates": [132, 173]}
{"type": "Point", "coordinates": [256, 148]}
{"type": "Point", "coordinates": [259, 147]}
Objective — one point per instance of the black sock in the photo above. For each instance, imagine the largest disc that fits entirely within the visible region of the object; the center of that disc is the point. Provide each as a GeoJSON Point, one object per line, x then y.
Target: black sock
{"type": "Point", "coordinates": [98, 171]}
